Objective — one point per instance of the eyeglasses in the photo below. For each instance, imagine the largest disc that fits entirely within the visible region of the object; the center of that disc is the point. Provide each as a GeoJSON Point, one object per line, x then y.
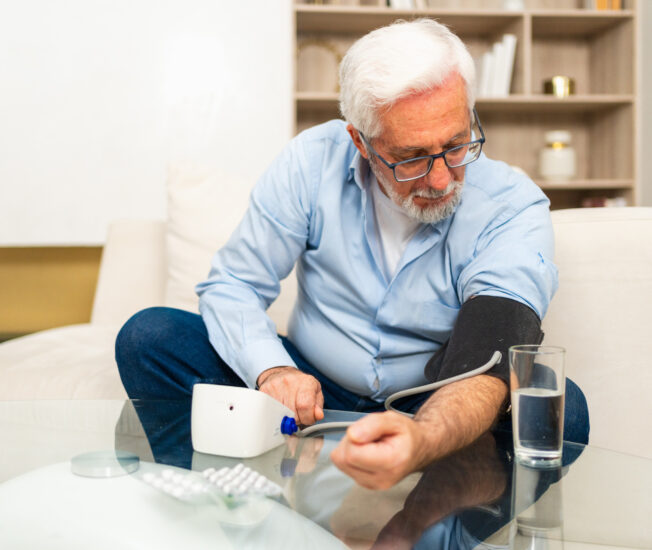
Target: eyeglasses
{"type": "Point", "coordinates": [412, 169]}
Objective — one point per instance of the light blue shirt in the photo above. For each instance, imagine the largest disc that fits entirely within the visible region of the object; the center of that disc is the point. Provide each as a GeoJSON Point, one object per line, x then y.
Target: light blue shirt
{"type": "Point", "coordinates": [371, 335]}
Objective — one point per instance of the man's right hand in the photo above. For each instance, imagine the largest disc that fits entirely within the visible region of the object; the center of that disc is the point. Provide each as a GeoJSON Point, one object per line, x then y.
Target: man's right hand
{"type": "Point", "coordinates": [297, 390]}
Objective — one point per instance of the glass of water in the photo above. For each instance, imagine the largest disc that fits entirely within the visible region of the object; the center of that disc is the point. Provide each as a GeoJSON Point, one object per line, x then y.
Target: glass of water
{"type": "Point", "coordinates": [537, 384]}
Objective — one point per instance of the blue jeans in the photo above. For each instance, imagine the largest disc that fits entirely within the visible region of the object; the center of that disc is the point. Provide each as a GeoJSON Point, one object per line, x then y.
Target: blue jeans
{"type": "Point", "coordinates": [163, 352]}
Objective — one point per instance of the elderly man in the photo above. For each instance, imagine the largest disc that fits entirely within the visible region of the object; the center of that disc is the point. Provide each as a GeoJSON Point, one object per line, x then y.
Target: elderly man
{"type": "Point", "coordinates": [413, 251]}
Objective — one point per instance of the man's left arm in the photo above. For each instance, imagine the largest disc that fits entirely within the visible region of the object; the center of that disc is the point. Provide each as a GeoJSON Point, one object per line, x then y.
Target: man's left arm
{"type": "Point", "coordinates": [381, 449]}
{"type": "Point", "coordinates": [510, 270]}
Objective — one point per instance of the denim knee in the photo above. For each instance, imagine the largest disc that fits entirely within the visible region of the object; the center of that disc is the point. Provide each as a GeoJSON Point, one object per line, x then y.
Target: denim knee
{"type": "Point", "coordinates": [141, 349]}
{"type": "Point", "coordinates": [140, 332]}
{"type": "Point", "coordinates": [163, 352]}
{"type": "Point", "coordinates": [576, 415]}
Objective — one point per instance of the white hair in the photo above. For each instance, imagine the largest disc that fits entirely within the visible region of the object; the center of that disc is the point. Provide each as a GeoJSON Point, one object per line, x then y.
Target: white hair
{"type": "Point", "coordinates": [395, 61]}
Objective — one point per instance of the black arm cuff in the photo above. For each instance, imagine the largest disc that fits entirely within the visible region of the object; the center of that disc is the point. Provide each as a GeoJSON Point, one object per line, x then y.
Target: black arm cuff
{"type": "Point", "coordinates": [484, 324]}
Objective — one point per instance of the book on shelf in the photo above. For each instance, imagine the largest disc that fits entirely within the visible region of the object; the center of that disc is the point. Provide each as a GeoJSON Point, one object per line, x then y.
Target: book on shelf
{"type": "Point", "coordinates": [486, 70]}
{"type": "Point", "coordinates": [604, 202]}
{"type": "Point", "coordinates": [402, 4]}
{"type": "Point", "coordinates": [496, 68]}
{"type": "Point", "coordinates": [603, 4]}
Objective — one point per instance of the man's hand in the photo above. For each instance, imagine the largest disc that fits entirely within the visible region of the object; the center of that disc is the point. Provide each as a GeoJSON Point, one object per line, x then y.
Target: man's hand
{"type": "Point", "coordinates": [381, 449]}
{"type": "Point", "coordinates": [297, 390]}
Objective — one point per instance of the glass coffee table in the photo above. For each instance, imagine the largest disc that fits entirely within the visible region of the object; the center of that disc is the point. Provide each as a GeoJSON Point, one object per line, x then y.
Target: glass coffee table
{"type": "Point", "coordinates": [476, 498]}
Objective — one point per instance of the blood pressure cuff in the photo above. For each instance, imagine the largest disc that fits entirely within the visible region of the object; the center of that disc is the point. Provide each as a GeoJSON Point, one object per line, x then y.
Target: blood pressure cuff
{"type": "Point", "coordinates": [484, 324]}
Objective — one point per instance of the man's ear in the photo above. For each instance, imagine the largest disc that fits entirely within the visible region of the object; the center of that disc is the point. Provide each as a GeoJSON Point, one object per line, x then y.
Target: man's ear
{"type": "Point", "coordinates": [357, 140]}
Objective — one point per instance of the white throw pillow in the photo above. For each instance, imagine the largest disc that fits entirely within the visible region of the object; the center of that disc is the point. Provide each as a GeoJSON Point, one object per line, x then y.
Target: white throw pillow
{"type": "Point", "coordinates": [203, 211]}
{"type": "Point", "coordinates": [601, 315]}
{"type": "Point", "coordinates": [202, 214]}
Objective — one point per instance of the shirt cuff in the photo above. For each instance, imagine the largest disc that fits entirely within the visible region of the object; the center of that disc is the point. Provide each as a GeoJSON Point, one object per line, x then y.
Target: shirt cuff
{"type": "Point", "coordinates": [262, 355]}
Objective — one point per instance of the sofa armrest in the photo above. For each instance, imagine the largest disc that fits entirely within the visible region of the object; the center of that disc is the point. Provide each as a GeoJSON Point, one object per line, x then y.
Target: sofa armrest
{"type": "Point", "coordinates": [132, 271]}
{"type": "Point", "coordinates": [601, 315]}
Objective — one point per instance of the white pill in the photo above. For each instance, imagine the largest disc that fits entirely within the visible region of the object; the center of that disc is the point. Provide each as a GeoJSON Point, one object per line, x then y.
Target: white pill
{"type": "Point", "coordinates": [260, 483]}
{"type": "Point", "coordinates": [238, 468]}
{"type": "Point", "coordinates": [149, 477]}
{"type": "Point", "coordinates": [186, 482]}
{"type": "Point", "coordinates": [158, 483]}
{"type": "Point", "coordinates": [178, 478]}
{"type": "Point", "coordinates": [208, 472]}
{"type": "Point", "coordinates": [197, 487]}
{"type": "Point", "coordinates": [246, 485]}
{"type": "Point", "coordinates": [167, 474]}
{"type": "Point", "coordinates": [177, 491]}
{"type": "Point", "coordinates": [220, 483]}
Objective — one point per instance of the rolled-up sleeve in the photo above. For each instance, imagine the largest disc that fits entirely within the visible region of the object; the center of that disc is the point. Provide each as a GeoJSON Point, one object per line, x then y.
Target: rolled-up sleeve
{"type": "Point", "coordinates": [513, 259]}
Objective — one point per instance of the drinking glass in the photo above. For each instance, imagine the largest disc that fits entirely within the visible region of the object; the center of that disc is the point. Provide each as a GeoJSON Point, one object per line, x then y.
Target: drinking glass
{"type": "Point", "coordinates": [537, 384]}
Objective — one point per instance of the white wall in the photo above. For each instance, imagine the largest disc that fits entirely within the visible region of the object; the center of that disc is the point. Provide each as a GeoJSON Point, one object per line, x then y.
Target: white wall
{"type": "Point", "coordinates": [92, 91]}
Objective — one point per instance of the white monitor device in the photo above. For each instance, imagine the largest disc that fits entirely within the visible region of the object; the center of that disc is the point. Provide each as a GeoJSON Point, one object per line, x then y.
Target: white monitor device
{"type": "Point", "coordinates": [236, 422]}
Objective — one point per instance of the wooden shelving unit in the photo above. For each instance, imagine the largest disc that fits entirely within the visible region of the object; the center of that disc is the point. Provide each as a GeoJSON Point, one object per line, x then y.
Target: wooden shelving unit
{"type": "Point", "coordinates": [596, 48]}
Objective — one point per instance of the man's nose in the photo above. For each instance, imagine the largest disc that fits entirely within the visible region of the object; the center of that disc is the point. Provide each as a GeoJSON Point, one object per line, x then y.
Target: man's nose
{"type": "Point", "coordinates": [439, 176]}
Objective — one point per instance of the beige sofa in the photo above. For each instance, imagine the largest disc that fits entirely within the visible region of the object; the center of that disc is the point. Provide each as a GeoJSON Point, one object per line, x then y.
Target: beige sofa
{"type": "Point", "coordinates": [602, 312]}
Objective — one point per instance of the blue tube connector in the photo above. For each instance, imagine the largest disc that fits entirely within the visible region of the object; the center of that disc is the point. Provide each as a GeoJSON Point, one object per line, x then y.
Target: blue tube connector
{"type": "Point", "coordinates": [288, 425]}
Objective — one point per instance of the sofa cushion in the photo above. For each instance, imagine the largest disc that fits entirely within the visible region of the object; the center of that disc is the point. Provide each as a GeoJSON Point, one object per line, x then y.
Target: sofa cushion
{"type": "Point", "coordinates": [132, 273]}
{"type": "Point", "coordinates": [73, 362]}
{"type": "Point", "coordinates": [203, 211]}
{"type": "Point", "coordinates": [601, 315]}
{"type": "Point", "coordinates": [202, 214]}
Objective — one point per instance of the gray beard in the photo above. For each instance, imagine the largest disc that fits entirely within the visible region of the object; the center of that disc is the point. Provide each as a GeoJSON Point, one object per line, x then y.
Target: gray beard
{"type": "Point", "coordinates": [432, 214]}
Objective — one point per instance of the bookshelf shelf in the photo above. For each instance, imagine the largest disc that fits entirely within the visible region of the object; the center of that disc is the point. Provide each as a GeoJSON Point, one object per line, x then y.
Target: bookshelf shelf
{"type": "Point", "coordinates": [576, 23]}
{"type": "Point", "coordinates": [545, 22]}
{"type": "Point", "coordinates": [584, 184]}
{"type": "Point", "coordinates": [515, 103]}
{"type": "Point", "coordinates": [596, 48]}
{"type": "Point", "coordinates": [362, 19]}
{"type": "Point", "coordinates": [546, 104]}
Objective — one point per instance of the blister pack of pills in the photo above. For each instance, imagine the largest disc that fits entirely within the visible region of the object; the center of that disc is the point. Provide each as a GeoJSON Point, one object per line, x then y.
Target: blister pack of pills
{"type": "Point", "coordinates": [241, 480]}
{"type": "Point", "coordinates": [237, 482]}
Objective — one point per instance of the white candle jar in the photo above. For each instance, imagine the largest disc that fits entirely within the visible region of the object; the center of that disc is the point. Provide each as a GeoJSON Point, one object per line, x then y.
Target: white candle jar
{"type": "Point", "coordinates": [557, 158]}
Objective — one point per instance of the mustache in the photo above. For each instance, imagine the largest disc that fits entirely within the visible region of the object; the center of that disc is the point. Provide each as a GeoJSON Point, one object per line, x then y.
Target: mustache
{"type": "Point", "coordinates": [429, 193]}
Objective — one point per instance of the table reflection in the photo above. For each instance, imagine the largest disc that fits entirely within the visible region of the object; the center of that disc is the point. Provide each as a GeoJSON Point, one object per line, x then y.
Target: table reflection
{"type": "Point", "coordinates": [477, 497]}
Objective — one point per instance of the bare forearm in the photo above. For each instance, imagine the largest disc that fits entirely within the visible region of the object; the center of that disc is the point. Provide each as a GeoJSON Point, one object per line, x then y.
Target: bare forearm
{"type": "Point", "coordinates": [456, 415]}
{"type": "Point", "coordinates": [382, 448]}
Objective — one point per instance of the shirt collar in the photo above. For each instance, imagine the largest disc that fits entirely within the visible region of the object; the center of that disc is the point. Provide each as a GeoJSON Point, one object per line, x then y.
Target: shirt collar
{"type": "Point", "coordinates": [358, 170]}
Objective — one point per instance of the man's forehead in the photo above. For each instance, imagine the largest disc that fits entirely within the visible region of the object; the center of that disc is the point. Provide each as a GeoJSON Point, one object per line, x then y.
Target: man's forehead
{"type": "Point", "coordinates": [415, 146]}
{"type": "Point", "coordinates": [426, 119]}
{"type": "Point", "coordinates": [425, 138]}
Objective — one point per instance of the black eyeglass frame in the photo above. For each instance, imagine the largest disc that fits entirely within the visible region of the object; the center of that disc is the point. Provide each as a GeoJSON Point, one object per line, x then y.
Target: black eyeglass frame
{"type": "Point", "coordinates": [392, 165]}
